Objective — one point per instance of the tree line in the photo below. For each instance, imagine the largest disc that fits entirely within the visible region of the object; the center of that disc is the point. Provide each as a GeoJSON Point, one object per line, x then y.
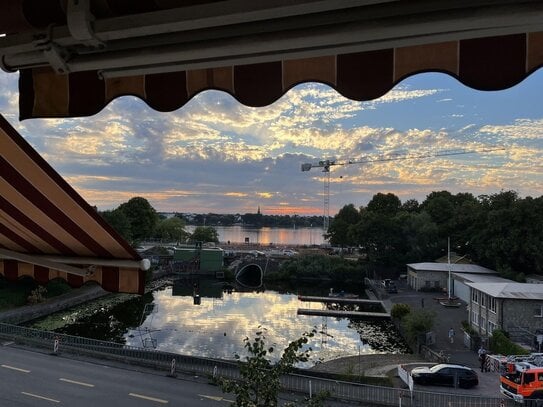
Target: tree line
{"type": "Point", "coordinates": [137, 220]}
{"type": "Point", "coordinates": [500, 231]}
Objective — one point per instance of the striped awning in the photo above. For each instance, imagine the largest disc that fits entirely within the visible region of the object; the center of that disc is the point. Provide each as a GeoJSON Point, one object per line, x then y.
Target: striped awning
{"type": "Point", "coordinates": [48, 231]}
{"type": "Point", "coordinates": [74, 57]}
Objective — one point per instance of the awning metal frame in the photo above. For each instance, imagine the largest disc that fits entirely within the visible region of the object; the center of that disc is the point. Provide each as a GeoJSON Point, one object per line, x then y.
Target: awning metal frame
{"type": "Point", "coordinates": [63, 263]}
{"type": "Point", "coordinates": [238, 32]}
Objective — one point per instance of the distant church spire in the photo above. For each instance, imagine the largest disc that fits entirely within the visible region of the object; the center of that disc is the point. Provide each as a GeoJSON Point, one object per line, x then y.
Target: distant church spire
{"type": "Point", "coordinates": [258, 211]}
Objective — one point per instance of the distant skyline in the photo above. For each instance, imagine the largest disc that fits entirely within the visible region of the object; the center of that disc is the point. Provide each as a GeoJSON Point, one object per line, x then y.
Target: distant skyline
{"type": "Point", "coordinates": [217, 155]}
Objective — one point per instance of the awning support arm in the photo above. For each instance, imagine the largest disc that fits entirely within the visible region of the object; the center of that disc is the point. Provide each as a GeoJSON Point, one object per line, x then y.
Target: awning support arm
{"type": "Point", "coordinates": [9, 254]}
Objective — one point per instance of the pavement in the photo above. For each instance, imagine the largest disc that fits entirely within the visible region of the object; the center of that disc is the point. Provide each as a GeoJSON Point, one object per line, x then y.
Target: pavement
{"type": "Point", "coordinates": [458, 353]}
{"type": "Point", "coordinates": [445, 319]}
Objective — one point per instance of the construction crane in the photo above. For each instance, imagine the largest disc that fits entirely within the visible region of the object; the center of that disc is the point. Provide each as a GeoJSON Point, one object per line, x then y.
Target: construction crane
{"type": "Point", "coordinates": [326, 164]}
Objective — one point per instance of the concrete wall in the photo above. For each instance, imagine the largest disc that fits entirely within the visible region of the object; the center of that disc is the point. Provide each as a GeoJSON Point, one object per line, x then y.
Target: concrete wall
{"type": "Point", "coordinates": [522, 313]}
{"type": "Point", "coordinates": [431, 279]}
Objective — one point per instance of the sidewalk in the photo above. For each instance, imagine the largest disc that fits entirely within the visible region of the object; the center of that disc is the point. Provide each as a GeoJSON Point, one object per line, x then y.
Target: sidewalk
{"type": "Point", "coordinates": [445, 318]}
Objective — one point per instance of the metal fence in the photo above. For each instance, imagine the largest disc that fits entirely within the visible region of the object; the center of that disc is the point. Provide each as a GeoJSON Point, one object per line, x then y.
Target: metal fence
{"type": "Point", "coordinates": [308, 385]}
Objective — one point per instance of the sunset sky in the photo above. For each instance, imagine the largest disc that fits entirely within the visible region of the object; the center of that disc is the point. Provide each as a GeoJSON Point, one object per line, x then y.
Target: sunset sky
{"type": "Point", "coordinates": [216, 155]}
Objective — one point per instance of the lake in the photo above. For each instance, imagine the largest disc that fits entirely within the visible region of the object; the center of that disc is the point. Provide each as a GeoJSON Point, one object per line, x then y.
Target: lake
{"type": "Point", "coordinates": [268, 236]}
{"type": "Point", "coordinates": [217, 326]}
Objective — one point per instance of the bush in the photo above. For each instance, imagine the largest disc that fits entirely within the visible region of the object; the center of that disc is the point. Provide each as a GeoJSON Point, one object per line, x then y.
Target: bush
{"type": "Point", "coordinates": [416, 323]}
{"type": "Point", "coordinates": [57, 287]}
{"type": "Point", "coordinates": [400, 310]}
{"type": "Point", "coordinates": [501, 344]}
{"type": "Point", "coordinates": [467, 328]}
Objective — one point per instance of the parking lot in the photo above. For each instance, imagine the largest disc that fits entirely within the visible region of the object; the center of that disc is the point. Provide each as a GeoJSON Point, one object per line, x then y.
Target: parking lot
{"type": "Point", "coordinates": [445, 318]}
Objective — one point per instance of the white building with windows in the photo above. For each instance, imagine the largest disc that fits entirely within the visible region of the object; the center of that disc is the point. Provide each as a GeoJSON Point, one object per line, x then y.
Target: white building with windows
{"type": "Point", "coordinates": [435, 277]}
{"type": "Point", "coordinates": [507, 305]}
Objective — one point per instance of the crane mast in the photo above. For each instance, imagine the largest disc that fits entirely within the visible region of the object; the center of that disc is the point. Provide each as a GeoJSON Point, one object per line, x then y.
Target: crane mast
{"type": "Point", "coordinates": [326, 164]}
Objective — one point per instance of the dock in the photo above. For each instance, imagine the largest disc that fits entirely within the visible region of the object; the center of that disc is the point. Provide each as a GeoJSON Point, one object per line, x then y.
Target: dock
{"type": "Point", "coordinates": [343, 314]}
{"type": "Point", "coordinates": [340, 300]}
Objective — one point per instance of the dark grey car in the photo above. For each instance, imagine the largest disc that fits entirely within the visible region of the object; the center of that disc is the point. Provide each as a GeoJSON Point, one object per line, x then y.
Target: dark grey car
{"type": "Point", "coordinates": [445, 375]}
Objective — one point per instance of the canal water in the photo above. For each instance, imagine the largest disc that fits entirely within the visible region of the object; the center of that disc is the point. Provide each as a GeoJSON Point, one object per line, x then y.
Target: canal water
{"type": "Point", "coordinates": [268, 236]}
{"type": "Point", "coordinates": [168, 320]}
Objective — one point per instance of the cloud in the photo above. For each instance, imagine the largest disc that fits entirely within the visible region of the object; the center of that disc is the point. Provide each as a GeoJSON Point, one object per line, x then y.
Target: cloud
{"type": "Point", "coordinates": [521, 129]}
{"type": "Point", "coordinates": [215, 154]}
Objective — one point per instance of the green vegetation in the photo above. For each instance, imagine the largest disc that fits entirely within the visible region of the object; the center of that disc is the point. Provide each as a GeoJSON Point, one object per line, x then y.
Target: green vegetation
{"type": "Point", "coordinates": [499, 231]}
{"type": "Point", "coordinates": [57, 287]}
{"type": "Point", "coordinates": [468, 329]}
{"type": "Point", "coordinates": [319, 267]}
{"type": "Point", "coordinates": [260, 384]}
{"type": "Point", "coordinates": [501, 344]}
{"type": "Point", "coordinates": [204, 234]}
{"type": "Point", "coordinates": [14, 294]}
{"type": "Point", "coordinates": [399, 311]}
{"type": "Point", "coordinates": [416, 323]}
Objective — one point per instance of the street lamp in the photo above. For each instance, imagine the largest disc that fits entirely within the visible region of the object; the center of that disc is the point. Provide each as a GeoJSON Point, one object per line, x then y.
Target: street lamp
{"type": "Point", "coordinates": [449, 266]}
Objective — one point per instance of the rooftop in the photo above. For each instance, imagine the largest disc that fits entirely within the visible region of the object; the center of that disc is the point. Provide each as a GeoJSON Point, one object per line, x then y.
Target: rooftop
{"type": "Point", "coordinates": [479, 278]}
{"type": "Point", "coordinates": [520, 291]}
{"type": "Point", "coordinates": [457, 268]}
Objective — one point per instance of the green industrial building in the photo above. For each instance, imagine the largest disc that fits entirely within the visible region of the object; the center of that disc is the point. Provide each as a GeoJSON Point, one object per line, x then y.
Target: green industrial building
{"type": "Point", "coordinates": [210, 258]}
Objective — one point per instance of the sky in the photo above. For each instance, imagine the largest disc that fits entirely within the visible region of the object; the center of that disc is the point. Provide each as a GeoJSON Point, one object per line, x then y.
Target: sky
{"type": "Point", "coordinates": [217, 155]}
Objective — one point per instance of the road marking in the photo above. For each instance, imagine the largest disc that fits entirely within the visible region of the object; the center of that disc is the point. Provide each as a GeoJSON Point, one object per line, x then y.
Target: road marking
{"type": "Point", "coordinates": [40, 397]}
{"type": "Point", "coordinates": [15, 368]}
{"type": "Point", "coordinates": [141, 396]}
{"type": "Point", "coordinates": [74, 382]}
{"type": "Point", "coordinates": [216, 398]}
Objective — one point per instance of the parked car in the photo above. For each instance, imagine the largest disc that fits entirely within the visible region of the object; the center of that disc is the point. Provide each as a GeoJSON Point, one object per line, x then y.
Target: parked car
{"type": "Point", "coordinates": [392, 289]}
{"type": "Point", "coordinates": [445, 375]}
{"type": "Point", "coordinates": [386, 282]}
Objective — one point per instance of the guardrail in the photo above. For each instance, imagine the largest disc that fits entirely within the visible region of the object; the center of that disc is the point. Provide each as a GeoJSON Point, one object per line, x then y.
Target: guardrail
{"type": "Point", "coordinates": [172, 363]}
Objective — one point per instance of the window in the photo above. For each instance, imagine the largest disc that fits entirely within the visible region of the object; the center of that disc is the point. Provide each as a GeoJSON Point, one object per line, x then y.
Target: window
{"type": "Point", "coordinates": [474, 318]}
{"type": "Point", "coordinates": [491, 327]}
{"type": "Point", "coordinates": [483, 323]}
{"type": "Point", "coordinates": [427, 283]}
{"type": "Point", "coordinates": [492, 304]}
{"type": "Point", "coordinates": [483, 300]}
{"type": "Point", "coordinates": [528, 378]}
{"type": "Point", "coordinates": [538, 311]}
{"type": "Point", "coordinates": [436, 284]}
{"type": "Point", "coordinates": [474, 296]}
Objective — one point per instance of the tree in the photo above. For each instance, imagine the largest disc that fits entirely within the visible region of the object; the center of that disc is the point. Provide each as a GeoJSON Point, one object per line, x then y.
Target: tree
{"type": "Point", "coordinates": [204, 234]}
{"type": "Point", "coordinates": [142, 217]}
{"type": "Point", "coordinates": [385, 204]}
{"type": "Point", "coordinates": [411, 205]}
{"type": "Point", "coordinates": [118, 221]}
{"type": "Point", "coordinates": [381, 236]}
{"type": "Point", "coordinates": [416, 323]}
{"type": "Point", "coordinates": [260, 384]}
{"type": "Point", "coordinates": [172, 229]}
{"type": "Point", "coordinates": [338, 232]}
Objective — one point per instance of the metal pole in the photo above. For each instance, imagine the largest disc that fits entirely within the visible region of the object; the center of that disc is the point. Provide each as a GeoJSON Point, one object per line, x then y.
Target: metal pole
{"type": "Point", "coordinates": [449, 266]}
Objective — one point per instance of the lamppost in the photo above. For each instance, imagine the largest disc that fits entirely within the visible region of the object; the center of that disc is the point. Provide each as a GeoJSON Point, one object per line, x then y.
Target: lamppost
{"type": "Point", "coordinates": [449, 266]}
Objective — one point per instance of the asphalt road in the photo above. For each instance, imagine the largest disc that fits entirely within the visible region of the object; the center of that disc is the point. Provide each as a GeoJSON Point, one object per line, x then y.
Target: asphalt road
{"type": "Point", "coordinates": [29, 378]}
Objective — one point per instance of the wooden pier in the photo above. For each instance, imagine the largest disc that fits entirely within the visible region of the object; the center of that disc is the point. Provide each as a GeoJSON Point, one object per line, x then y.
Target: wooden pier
{"type": "Point", "coordinates": [343, 314]}
{"type": "Point", "coordinates": [340, 300]}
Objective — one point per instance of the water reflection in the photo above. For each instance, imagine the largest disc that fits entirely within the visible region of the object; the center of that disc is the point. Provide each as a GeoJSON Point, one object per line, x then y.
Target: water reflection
{"type": "Point", "coordinates": [268, 236]}
{"type": "Point", "coordinates": [216, 328]}
{"type": "Point", "coordinates": [168, 320]}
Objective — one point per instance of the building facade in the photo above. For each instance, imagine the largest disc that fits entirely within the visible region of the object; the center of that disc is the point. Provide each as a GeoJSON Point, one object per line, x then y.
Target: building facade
{"type": "Point", "coordinates": [513, 307]}
{"type": "Point", "coordinates": [437, 276]}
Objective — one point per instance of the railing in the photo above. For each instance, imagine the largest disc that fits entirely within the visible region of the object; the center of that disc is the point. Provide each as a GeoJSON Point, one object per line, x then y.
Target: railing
{"type": "Point", "coordinates": [173, 363]}
{"type": "Point", "coordinates": [432, 355]}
